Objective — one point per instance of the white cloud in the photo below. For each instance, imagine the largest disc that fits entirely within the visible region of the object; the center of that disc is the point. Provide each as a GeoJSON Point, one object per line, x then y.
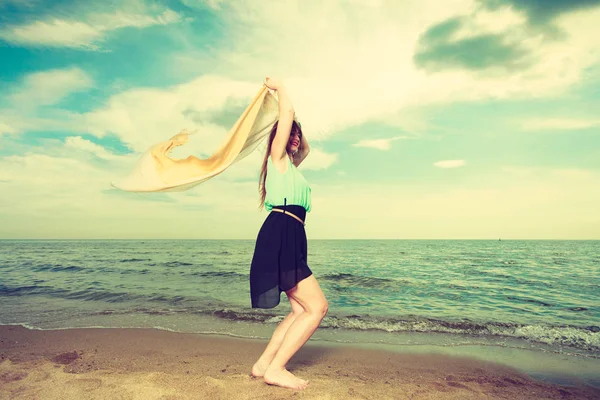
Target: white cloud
{"type": "Point", "coordinates": [6, 129]}
{"type": "Point", "coordinates": [22, 119]}
{"type": "Point", "coordinates": [502, 21]}
{"type": "Point", "coordinates": [44, 88]}
{"type": "Point", "coordinates": [49, 87]}
{"type": "Point", "coordinates": [450, 163]}
{"type": "Point", "coordinates": [83, 33]}
{"type": "Point", "coordinates": [214, 4]}
{"type": "Point", "coordinates": [78, 143]}
{"type": "Point", "coordinates": [379, 144]}
{"type": "Point", "coordinates": [341, 73]}
{"type": "Point", "coordinates": [567, 124]}
{"type": "Point", "coordinates": [144, 116]}
{"type": "Point", "coordinates": [318, 159]}
{"type": "Point", "coordinates": [409, 119]}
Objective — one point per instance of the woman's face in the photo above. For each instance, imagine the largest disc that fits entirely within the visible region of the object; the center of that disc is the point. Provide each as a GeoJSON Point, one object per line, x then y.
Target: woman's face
{"type": "Point", "coordinates": [294, 142]}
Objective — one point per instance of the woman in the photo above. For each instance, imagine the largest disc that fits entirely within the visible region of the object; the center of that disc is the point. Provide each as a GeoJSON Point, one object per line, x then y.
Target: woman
{"type": "Point", "coordinates": [280, 255]}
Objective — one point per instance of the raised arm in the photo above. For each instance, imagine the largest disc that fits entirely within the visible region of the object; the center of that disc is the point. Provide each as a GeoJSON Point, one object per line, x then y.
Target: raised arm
{"type": "Point", "coordinates": [286, 117]}
{"type": "Point", "coordinates": [303, 152]}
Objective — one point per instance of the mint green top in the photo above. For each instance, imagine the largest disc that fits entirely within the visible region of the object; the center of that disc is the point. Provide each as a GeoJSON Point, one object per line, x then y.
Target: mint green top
{"type": "Point", "coordinates": [290, 185]}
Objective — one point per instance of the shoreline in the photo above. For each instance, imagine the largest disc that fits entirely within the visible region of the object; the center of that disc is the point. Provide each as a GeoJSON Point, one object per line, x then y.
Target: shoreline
{"type": "Point", "coordinates": [149, 363]}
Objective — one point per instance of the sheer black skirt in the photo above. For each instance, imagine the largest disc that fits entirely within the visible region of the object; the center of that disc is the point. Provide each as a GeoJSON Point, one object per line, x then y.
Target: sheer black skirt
{"type": "Point", "coordinates": [280, 257]}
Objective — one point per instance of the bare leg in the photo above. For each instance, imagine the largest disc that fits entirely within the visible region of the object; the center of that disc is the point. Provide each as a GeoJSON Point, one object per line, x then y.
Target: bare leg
{"type": "Point", "coordinates": [309, 295]}
{"type": "Point", "coordinates": [265, 359]}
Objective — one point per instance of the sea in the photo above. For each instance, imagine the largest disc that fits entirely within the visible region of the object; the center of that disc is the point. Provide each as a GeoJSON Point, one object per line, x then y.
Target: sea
{"type": "Point", "coordinates": [531, 304]}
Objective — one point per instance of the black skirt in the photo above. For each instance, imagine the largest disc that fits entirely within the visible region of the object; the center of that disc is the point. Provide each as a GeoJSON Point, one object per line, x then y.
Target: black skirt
{"type": "Point", "coordinates": [280, 257]}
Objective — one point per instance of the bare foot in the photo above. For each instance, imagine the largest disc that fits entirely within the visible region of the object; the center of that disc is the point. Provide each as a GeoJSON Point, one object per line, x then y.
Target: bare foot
{"type": "Point", "coordinates": [259, 368]}
{"type": "Point", "coordinates": [284, 378]}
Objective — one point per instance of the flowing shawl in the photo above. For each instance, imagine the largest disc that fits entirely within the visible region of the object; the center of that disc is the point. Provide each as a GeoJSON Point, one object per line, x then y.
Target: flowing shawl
{"type": "Point", "coordinates": [157, 172]}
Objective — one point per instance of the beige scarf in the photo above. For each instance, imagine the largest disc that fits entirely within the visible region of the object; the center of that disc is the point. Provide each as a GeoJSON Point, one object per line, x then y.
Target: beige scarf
{"type": "Point", "coordinates": [157, 172]}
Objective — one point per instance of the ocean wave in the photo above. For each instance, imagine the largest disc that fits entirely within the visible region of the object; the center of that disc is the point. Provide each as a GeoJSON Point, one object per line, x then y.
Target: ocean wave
{"type": "Point", "coordinates": [101, 295]}
{"type": "Point", "coordinates": [351, 280]}
{"type": "Point", "coordinates": [88, 294]}
{"type": "Point", "coordinates": [121, 297]}
{"type": "Point", "coordinates": [586, 338]}
{"type": "Point", "coordinates": [220, 274]}
{"type": "Point", "coordinates": [29, 290]}
{"type": "Point", "coordinates": [57, 268]}
{"type": "Point", "coordinates": [176, 264]}
{"type": "Point", "coordinates": [534, 301]}
{"type": "Point", "coordinates": [583, 338]}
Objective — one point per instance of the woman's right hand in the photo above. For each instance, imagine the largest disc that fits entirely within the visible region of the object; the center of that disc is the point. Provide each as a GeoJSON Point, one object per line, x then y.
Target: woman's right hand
{"type": "Point", "coordinates": [273, 83]}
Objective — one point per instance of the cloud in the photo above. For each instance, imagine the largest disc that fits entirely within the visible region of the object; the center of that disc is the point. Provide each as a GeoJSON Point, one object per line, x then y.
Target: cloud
{"type": "Point", "coordinates": [22, 119]}
{"type": "Point", "coordinates": [476, 53]}
{"type": "Point", "coordinates": [379, 144]}
{"type": "Point", "coordinates": [144, 116]}
{"type": "Point", "coordinates": [50, 87]}
{"type": "Point", "coordinates": [78, 143]}
{"type": "Point", "coordinates": [318, 160]}
{"type": "Point", "coordinates": [443, 30]}
{"type": "Point", "coordinates": [23, 102]}
{"type": "Point", "coordinates": [85, 33]}
{"type": "Point", "coordinates": [214, 4]}
{"type": "Point", "coordinates": [347, 67]}
{"type": "Point", "coordinates": [558, 124]}
{"type": "Point", "coordinates": [450, 163]}
{"type": "Point", "coordinates": [6, 129]}
{"type": "Point", "coordinates": [411, 120]}
{"type": "Point", "coordinates": [478, 41]}
{"type": "Point", "coordinates": [342, 74]}
{"type": "Point", "coordinates": [542, 11]}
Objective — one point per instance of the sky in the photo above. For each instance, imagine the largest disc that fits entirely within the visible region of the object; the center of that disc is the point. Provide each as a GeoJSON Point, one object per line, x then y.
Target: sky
{"type": "Point", "coordinates": [427, 119]}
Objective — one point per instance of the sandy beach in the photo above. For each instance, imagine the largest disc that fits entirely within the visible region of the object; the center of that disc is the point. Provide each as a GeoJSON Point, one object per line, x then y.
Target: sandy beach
{"type": "Point", "coordinates": [100, 363]}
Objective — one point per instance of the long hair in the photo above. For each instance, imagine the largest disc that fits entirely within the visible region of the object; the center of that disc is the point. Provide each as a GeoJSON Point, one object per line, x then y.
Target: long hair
{"type": "Point", "coordinates": [263, 171]}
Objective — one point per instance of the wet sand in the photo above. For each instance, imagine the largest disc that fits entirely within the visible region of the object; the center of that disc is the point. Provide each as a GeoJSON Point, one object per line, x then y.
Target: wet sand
{"type": "Point", "coordinates": [101, 363]}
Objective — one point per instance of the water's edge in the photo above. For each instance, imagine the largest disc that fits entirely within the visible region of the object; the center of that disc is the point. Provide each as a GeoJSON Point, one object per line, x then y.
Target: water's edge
{"type": "Point", "coordinates": [559, 369]}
